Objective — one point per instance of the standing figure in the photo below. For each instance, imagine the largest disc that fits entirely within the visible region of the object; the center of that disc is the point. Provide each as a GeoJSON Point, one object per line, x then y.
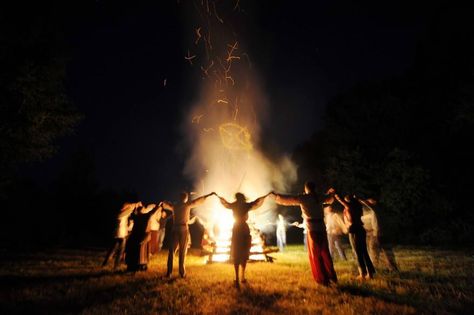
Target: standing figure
{"type": "Point", "coordinates": [318, 249]}
{"type": "Point", "coordinates": [281, 232]}
{"type": "Point", "coordinates": [124, 226]}
{"type": "Point", "coordinates": [138, 251]}
{"type": "Point", "coordinates": [154, 227]}
{"type": "Point", "coordinates": [374, 244]}
{"type": "Point", "coordinates": [335, 227]}
{"type": "Point", "coordinates": [357, 235]}
{"type": "Point", "coordinates": [305, 233]}
{"type": "Point", "coordinates": [162, 231]}
{"type": "Point", "coordinates": [180, 233]}
{"type": "Point", "coordinates": [241, 240]}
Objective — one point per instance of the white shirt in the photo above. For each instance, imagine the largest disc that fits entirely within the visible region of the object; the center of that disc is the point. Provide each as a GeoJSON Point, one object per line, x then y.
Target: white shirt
{"type": "Point", "coordinates": [123, 227]}
{"type": "Point", "coordinates": [369, 219]}
{"type": "Point", "coordinates": [334, 224]}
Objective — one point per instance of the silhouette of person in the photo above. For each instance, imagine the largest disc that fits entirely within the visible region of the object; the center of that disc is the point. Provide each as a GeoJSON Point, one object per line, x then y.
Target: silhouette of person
{"type": "Point", "coordinates": [162, 230]}
{"type": "Point", "coordinates": [124, 226]}
{"type": "Point", "coordinates": [241, 240]}
{"type": "Point", "coordinates": [374, 244]}
{"type": "Point", "coordinates": [357, 235]}
{"type": "Point", "coordinates": [318, 249]}
{"type": "Point", "coordinates": [281, 232]}
{"type": "Point", "coordinates": [335, 227]}
{"type": "Point", "coordinates": [137, 250]}
{"type": "Point", "coordinates": [181, 212]}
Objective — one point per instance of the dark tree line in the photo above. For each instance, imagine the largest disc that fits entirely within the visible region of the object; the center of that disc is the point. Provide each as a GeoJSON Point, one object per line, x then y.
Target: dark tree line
{"type": "Point", "coordinates": [34, 108]}
{"type": "Point", "coordinates": [407, 141]}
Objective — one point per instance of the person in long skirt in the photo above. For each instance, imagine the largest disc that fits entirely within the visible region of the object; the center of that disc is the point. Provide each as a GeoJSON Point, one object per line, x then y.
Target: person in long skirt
{"type": "Point", "coordinates": [357, 235]}
{"type": "Point", "coordinates": [137, 251]}
{"type": "Point", "coordinates": [241, 240]}
{"type": "Point", "coordinates": [318, 249]}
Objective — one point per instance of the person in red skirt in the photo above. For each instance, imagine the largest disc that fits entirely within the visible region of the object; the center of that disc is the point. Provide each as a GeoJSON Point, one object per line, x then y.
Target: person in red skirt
{"type": "Point", "coordinates": [318, 249]}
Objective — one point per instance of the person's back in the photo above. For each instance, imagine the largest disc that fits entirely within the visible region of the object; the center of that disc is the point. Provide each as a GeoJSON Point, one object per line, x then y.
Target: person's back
{"type": "Point", "coordinates": [181, 213]}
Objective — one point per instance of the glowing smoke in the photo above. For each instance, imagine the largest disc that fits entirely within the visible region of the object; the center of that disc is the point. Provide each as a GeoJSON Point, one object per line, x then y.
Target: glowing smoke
{"type": "Point", "coordinates": [224, 125]}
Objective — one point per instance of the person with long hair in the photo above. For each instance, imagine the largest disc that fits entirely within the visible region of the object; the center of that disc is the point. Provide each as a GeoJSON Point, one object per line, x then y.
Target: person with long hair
{"type": "Point", "coordinates": [310, 204]}
{"type": "Point", "coordinates": [241, 240]}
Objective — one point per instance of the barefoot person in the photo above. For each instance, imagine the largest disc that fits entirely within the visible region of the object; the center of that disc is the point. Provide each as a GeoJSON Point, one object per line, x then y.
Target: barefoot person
{"type": "Point", "coordinates": [124, 226]}
{"type": "Point", "coordinates": [352, 215]}
{"type": "Point", "coordinates": [180, 232]}
{"type": "Point", "coordinates": [241, 240]}
{"type": "Point", "coordinates": [318, 249]}
{"type": "Point", "coordinates": [375, 246]}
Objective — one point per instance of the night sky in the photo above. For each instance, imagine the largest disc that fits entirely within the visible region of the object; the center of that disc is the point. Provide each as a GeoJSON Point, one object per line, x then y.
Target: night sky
{"type": "Point", "coordinates": [305, 54]}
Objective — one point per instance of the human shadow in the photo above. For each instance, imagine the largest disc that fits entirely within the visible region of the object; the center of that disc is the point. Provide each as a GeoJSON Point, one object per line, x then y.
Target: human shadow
{"type": "Point", "coordinates": [248, 296]}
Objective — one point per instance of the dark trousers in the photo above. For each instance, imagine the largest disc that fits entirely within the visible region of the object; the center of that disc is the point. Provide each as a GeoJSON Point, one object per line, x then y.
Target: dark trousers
{"type": "Point", "coordinates": [179, 241]}
{"type": "Point", "coordinates": [118, 249]}
{"type": "Point", "coordinates": [359, 245]}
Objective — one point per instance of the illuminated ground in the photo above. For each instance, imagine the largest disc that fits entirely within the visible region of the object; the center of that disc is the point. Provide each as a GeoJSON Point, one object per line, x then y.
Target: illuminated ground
{"type": "Point", "coordinates": [431, 281]}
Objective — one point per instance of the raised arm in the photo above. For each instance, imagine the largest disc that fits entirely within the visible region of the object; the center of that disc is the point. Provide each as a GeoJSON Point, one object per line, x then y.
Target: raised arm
{"type": "Point", "coordinates": [167, 205]}
{"type": "Point", "coordinates": [199, 201]}
{"type": "Point", "coordinates": [287, 200]}
{"type": "Point", "coordinates": [224, 202]}
{"type": "Point", "coordinates": [257, 203]}
{"type": "Point", "coordinates": [342, 202]}
{"type": "Point", "coordinates": [365, 204]}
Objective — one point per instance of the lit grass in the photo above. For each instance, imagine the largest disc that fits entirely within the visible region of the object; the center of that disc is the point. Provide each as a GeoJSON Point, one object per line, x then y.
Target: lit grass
{"type": "Point", "coordinates": [430, 281]}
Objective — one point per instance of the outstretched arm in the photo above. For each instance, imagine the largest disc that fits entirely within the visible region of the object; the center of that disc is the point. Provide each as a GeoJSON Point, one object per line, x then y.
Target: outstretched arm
{"type": "Point", "coordinates": [167, 205]}
{"type": "Point", "coordinates": [257, 203]}
{"type": "Point", "coordinates": [287, 200]}
{"type": "Point", "coordinates": [199, 201]}
{"type": "Point", "coordinates": [224, 202]}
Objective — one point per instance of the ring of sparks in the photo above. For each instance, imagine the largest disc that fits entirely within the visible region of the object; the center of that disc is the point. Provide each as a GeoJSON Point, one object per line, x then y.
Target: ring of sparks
{"type": "Point", "coordinates": [235, 137]}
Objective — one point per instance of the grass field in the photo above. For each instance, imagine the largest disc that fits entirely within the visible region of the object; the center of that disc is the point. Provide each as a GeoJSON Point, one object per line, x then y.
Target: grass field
{"type": "Point", "coordinates": [67, 281]}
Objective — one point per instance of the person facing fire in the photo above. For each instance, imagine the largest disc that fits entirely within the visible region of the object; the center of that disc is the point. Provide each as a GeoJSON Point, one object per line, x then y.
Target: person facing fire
{"type": "Point", "coordinates": [241, 240]}
{"type": "Point", "coordinates": [318, 249]}
{"type": "Point", "coordinates": [138, 250]}
{"type": "Point", "coordinates": [375, 246]}
{"type": "Point", "coordinates": [162, 230]}
{"type": "Point", "coordinates": [357, 235]}
{"type": "Point", "coordinates": [181, 212]}
{"type": "Point", "coordinates": [281, 232]}
{"type": "Point", "coordinates": [124, 226]}
{"type": "Point", "coordinates": [335, 227]}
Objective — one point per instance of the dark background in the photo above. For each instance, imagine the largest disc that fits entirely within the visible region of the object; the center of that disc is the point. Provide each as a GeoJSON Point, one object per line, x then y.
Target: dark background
{"type": "Point", "coordinates": [373, 98]}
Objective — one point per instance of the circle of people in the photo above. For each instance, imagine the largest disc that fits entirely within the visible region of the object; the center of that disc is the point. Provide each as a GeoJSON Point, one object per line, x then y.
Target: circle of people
{"type": "Point", "coordinates": [135, 221]}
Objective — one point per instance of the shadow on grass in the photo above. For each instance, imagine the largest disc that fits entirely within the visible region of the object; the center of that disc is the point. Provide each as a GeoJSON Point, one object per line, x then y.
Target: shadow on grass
{"type": "Point", "coordinates": [14, 281]}
{"type": "Point", "coordinates": [248, 298]}
{"type": "Point", "coordinates": [385, 296]}
{"type": "Point", "coordinates": [61, 301]}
